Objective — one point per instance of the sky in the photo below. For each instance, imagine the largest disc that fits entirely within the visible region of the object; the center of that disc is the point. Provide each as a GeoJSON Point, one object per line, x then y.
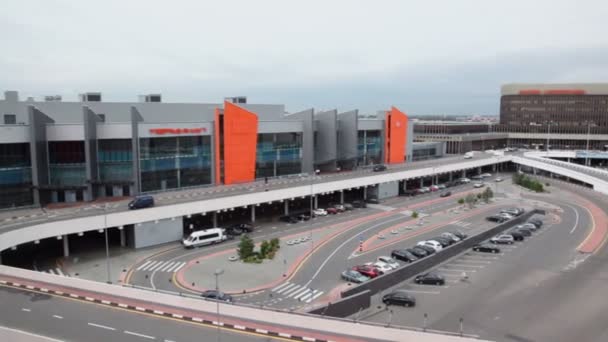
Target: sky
{"type": "Point", "coordinates": [425, 57]}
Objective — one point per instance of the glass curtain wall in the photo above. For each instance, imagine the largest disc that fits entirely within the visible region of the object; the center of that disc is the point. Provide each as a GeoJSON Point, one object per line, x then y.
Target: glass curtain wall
{"type": "Point", "coordinates": [115, 160]}
{"type": "Point", "coordinates": [15, 175]}
{"type": "Point", "coordinates": [174, 162]}
{"type": "Point", "coordinates": [278, 154]}
{"type": "Point", "coordinates": [67, 163]}
{"type": "Point", "coordinates": [369, 147]}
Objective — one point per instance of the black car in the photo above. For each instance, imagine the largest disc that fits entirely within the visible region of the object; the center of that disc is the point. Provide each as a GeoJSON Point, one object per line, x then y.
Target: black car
{"type": "Point", "coordinates": [445, 194]}
{"type": "Point", "coordinates": [403, 255]}
{"type": "Point", "coordinates": [537, 222]}
{"type": "Point", "coordinates": [359, 204]}
{"type": "Point", "coordinates": [373, 200]}
{"type": "Point", "coordinates": [139, 202]}
{"type": "Point", "coordinates": [348, 206]}
{"type": "Point", "coordinates": [442, 241]}
{"type": "Point", "coordinates": [460, 234]}
{"type": "Point", "coordinates": [408, 193]}
{"type": "Point", "coordinates": [429, 250]}
{"type": "Point", "coordinates": [486, 248]}
{"type": "Point", "coordinates": [399, 297]}
{"type": "Point", "coordinates": [523, 231]}
{"type": "Point", "coordinates": [303, 217]}
{"type": "Point", "coordinates": [242, 227]}
{"type": "Point", "coordinates": [516, 236]}
{"type": "Point", "coordinates": [418, 252]}
{"type": "Point", "coordinates": [288, 219]}
{"type": "Point", "coordinates": [496, 218]}
{"type": "Point", "coordinates": [216, 295]}
{"type": "Point", "coordinates": [430, 279]}
{"type": "Point", "coordinates": [379, 168]}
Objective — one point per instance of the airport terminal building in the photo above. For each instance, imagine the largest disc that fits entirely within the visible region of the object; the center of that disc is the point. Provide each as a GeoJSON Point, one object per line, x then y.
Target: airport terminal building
{"type": "Point", "coordinates": [56, 151]}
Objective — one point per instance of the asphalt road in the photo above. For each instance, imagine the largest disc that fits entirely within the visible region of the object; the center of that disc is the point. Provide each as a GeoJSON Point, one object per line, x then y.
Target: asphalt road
{"type": "Point", "coordinates": [537, 290]}
{"type": "Point", "coordinates": [21, 218]}
{"type": "Point", "coordinates": [71, 320]}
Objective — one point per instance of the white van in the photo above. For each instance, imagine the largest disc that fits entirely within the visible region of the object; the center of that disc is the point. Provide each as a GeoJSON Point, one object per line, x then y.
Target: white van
{"type": "Point", "coordinates": [468, 155]}
{"type": "Point", "coordinates": [205, 237]}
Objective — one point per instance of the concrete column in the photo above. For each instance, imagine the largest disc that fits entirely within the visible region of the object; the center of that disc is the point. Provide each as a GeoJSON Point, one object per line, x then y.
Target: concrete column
{"type": "Point", "coordinates": [451, 176]}
{"type": "Point", "coordinates": [436, 179]}
{"type": "Point", "coordinates": [421, 182]}
{"type": "Point", "coordinates": [534, 171]}
{"type": "Point", "coordinates": [66, 247]}
{"type": "Point", "coordinates": [464, 173]}
{"type": "Point", "coordinates": [316, 202]}
{"type": "Point", "coordinates": [286, 207]}
{"type": "Point", "coordinates": [550, 174]}
{"type": "Point", "coordinates": [568, 160]}
{"type": "Point", "coordinates": [341, 196]}
{"type": "Point", "coordinates": [365, 193]}
{"type": "Point", "coordinates": [214, 218]}
{"type": "Point", "coordinates": [479, 170]}
{"type": "Point", "coordinates": [123, 238]}
{"type": "Point", "coordinates": [494, 168]}
{"type": "Point", "coordinates": [252, 213]}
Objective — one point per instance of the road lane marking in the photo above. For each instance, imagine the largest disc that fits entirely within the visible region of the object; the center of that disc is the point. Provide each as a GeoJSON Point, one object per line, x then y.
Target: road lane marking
{"type": "Point", "coordinates": [314, 297]}
{"type": "Point", "coordinates": [441, 269]}
{"type": "Point", "coordinates": [308, 294]}
{"type": "Point", "coordinates": [144, 265]}
{"type": "Point", "coordinates": [101, 326]}
{"type": "Point", "coordinates": [179, 267]}
{"type": "Point", "coordinates": [150, 266]}
{"type": "Point", "coordinates": [26, 310]}
{"type": "Point", "coordinates": [167, 266]}
{"type": "Point", "coordinates": [427, 292]}
{"type": "Point", "coordinates": [293, 290]}
{"type": "Point", "coordinates": [575, 220]}
{"type": "Point", "coordinates": [57, 316]}
{"type": "Point", "coordinates": [140, 335]}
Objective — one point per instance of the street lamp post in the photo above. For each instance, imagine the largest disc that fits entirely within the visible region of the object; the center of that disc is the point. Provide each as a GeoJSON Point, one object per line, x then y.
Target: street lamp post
{"type": "Point", "coordinates": [549, 124]}
{"type": "Point", "coordinates": [105, 220]}
{"type": "Point", "coordinates": [589, 124]}
{"type": "Point", "coordinates": [217, 274]}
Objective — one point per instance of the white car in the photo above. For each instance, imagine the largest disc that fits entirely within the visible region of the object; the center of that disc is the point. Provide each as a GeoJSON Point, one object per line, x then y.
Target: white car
{"type": "Point", "coordinates": [340, 207]}
{"type": "Point", "coordinates": [389, 261]}
{"type": "Point", "coordinates": [478, 185]}
{"type": "Point", "coordinates": [503, 239]}
{"type": "Point", "coordinates": [486, 175]}
{"type": "Point", "coordinates": [380, 266]}
{"type": "Point", "coordinates": [464, 180]}
{"type": "Point", "coordinates": [320, 212]}
{"type": "Point", "coordinates": [430, 243]}
{"type": "Point", "coordinates": [506, 216]}
{"type": "Point", "coordinates": [498, 180]}
{"type": "Point", "coordinates": [450, 236]}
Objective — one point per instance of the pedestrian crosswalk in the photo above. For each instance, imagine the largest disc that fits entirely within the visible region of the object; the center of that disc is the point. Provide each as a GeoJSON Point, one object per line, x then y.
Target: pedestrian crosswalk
{"type": "Point", "coordinates": [461, 223]}
{"type": "Point", "coordinates": [297, 292]}
{"type": "Point", "coordinates": [161, 266]}
{"type": "Point", "coordinates": [56, 271]}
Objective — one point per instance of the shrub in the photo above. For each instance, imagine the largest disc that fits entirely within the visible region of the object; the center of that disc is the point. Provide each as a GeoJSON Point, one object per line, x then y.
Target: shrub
{"type": "Point", "coordinates": [271, 254]}
{"type": "Point", "coordinates": [253, 259]}
{"type": "Point", "coordinates": [415, 214]}
{"type": "Point", "coordinates": [245, 247]}
{"type": "Point", "coordinates": [264, 249]}
{"type": "Point", "coordinates": [275, 244]}
{"type": "Point", "coordinates": [461, 201]}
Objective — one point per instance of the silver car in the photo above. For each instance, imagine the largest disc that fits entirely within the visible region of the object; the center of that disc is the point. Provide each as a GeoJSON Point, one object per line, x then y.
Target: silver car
{"type": "Point", "coordinates": [503, 239]}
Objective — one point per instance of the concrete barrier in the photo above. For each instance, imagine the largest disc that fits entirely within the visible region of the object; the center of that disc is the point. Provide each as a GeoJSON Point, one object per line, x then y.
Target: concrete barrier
{"type": "Point", "coordinates": [345, 306]}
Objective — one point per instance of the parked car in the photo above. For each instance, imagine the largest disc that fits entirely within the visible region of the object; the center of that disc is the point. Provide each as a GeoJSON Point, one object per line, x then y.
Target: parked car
{"type": "Point", "coordinates": [478, 185]}
{"type": "Point", "coordinates": [445, 194]}
{"type": "Point", "coordinates": [359, 204]}
{"type": "Point", "coordinates": [288, 219]}
{"type": "Point", "coordinates": [348, 206]}
{"type": "Point", "coordinates": [486, 175]}
{"type": "Point", "coordinates": [441, 186]}
{"type": "Point", "coordinates": [429, 250]}
{"type": "Point", "coordinates": [477, 177]}
{"type": "Point", "coordinates": [512, 211]}
{"type": "Point", "coordinates": [502, 239]}
{"type": "Point", "coordinates": [460, 234]}
{"type": "Point", "coordinates": [450, 236]}
{"type": "Point", "coordinates": [379, 168]}
{"type": "Point", "coordinates": [403, 255]}
{"type": "Point", "coordinates": [430, 279]}
{"type": "Point", "coordinates": [380, 266]}
{"type": "Point", "coordinates": [496, 218]}
{"type": "Point", "coordinates": [417, 252]}
{"type": "Point", "coordinates": [354, 276]}
{"type": "Point", "coordinates": [319, 212]}
{"type": "Point", "coordinates": [340, 207]}
{"type": "Point", "coordinates": [140, 202]}
{"type": "Point", "coordinates": [399, 297]}
{"type": "Point", "coordinates": [373, 200]}
{"type": "Point", "coordinates": [425, 189]}
{"type": "Point", "coordinates": [239, 228]}
{"type": "Point", "coordinates": [216, 295]}
{"type": "Point", "coordinates": [368, 271]}
{"type": "Point", "coordinates": [389, 261]}
{"type": "Point", "coordinates": [530, 226]}
{"type": "Point", "coordinates": [498, 180]}
{"type": "Point", "coordinates": [409, 193]}
{"type": "Point", "coordinates": [434, 188]}
{"type": "Point", "coordinates": [486, 248]}
{"type": "Point", "coordinates": [537, 222]}
{"type": "Point", "coordinates": [523, 231]}
{"type": "Point", "coordinates": [331, 210]}
{"type": "Point", "coordinates": [303, 217]}
{"type": "Point", "coordinates": [442, 241]}
{"type": "Point", "coordinates": [516, 235]}
{"type": "Point", "coordinates": [433, 244]}
{"type": "Point", "coordinates": [464, 180]}
{"type": "Point", "coordinates": [506, 216]}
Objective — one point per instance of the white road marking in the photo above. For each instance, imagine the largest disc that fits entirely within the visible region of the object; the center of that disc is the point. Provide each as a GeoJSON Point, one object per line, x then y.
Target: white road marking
{"type": "Point", "coordinates": [293, 290]}
{"type": "Point", "coordinates": [26, 310]}
{"type": "Point", "coordinates": [143, 265]}
{"type": "Point", "coordinates": [58, 270]}
{"type": "Point", "coordinates": [441, 269]}
{"type": "Point", "coordinates": [167, 266]}
{"type": "Point", "coordinates": [157, 266]}
{"type": "Point", "coordinates": [280, 286]}
{"type": "Point", "coordinates": [315, 297]}
{"type": "Point", "coordinates": [427, 292]}
{"type": "Point", "coordinates": [575, 220]}
{"type": "Point", "coordinates": [57, 316]}
{"type": "Point", "coordinates": [303, 290]}
{"type": "Point", "coordinates": [179, 267]}
{"type": "Point", "coordinates": [140, 335]}
{"type": "Point", "coordinates": [286, 288]}
{"type": "Point", "coordinates": [147, 268]}
{"type": "Point", "coordinates": [308, 295]}
{"type": "Point", "coordinates": [101, 326]}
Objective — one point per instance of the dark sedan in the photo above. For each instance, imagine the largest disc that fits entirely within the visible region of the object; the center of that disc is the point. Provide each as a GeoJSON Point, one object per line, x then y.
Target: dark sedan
{"type": "Point", "coordinates": [399, 297]}
{"type": "Point", "coordinates": [430, 279]}
{"type": "Point", "coordinates": [403, 255]}
{"type": "Point", "coordinates": [523, 231]}
{"type": "Point", "coordinates": [429, 250]}
{"type": "Point", "coordinates": [288, 219]}
{"type": "Point", "coordinates": [379, 168]}
{"type": "Point", "coordinates": [303, 217]}
{"type": "Point", "coordinates": [418, 252]}
{"type": "Point", "coordinates": [496, 218]}
{"type": "Point", "coordinates": [444, 242]}
{"type": "Point", "coordinates": [460, 234]}
{"type": "Point", "coordinates": [216, 295]}
{"type": "Point", "coordinates": [445, 194]}
{"type": "Point", "coordinates": [486, 248]}
{"type": "Point", "coordinates": [516, 235]}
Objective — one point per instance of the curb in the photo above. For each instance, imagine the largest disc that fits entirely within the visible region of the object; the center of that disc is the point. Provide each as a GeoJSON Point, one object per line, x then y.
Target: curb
{"type": "Point", "coordinates": [162, 313]}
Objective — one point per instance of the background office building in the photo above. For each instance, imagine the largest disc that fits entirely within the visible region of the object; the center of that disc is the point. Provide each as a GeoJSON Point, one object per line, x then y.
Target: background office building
{"type": "Point", "coordinates": [58, 151]}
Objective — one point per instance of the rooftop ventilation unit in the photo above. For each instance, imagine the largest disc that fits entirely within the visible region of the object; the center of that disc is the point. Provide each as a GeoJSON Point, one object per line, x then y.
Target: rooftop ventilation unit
{"type": "Point", "coordinates": [237, 99]}
{"type": "Point", "coordinates": [90, 97]}
{"type": "Point", "coordinates": [52, 98]}
{"type": "Point", "coordinates": [150, 98]}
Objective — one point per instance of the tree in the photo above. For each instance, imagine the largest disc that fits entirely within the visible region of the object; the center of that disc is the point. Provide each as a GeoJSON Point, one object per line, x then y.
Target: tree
{"type": "Point", "coordinates": [461, 201]}
{"type": "Point", "coordinates": [245, 247]}
{"type": "Point", "coordinates": [470, 200]}
{"type": "Point", "coordinates": [264, 249]}
{"type": "Point", "coordinates": [275, 244]}
{"type": "Point", "coordinates": [415, 214]}
{"type": "Point", "coordinates": [487, 195]}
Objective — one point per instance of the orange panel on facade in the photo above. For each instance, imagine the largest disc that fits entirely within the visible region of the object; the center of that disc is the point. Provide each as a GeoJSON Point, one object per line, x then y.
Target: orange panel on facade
{"type": "Point", "coordinates": [216, 142]}
{"type": "Point", "coordinates": [529, 92]}
{"type": "Point", "coordinates": [240, 143]}
{"type": "Point", "coordinates": [396, 136]}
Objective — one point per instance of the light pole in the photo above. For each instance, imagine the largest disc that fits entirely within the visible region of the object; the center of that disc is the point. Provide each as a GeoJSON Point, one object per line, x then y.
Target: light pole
{"type": "Point", "coordinates": [105, 221]}
{"type": "Point", "coordinates": [549, 124]}
{"type": "Point", "coordinates": [217, 274]}
{"type": "Point", "coordinates": [589, 124]}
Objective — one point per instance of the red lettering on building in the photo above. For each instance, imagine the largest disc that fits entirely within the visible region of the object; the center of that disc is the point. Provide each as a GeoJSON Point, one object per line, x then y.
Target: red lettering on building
{"type": "Point", "coordinates": [177, 131]}
{"type": "Point", "coordinates": [529, 92]}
